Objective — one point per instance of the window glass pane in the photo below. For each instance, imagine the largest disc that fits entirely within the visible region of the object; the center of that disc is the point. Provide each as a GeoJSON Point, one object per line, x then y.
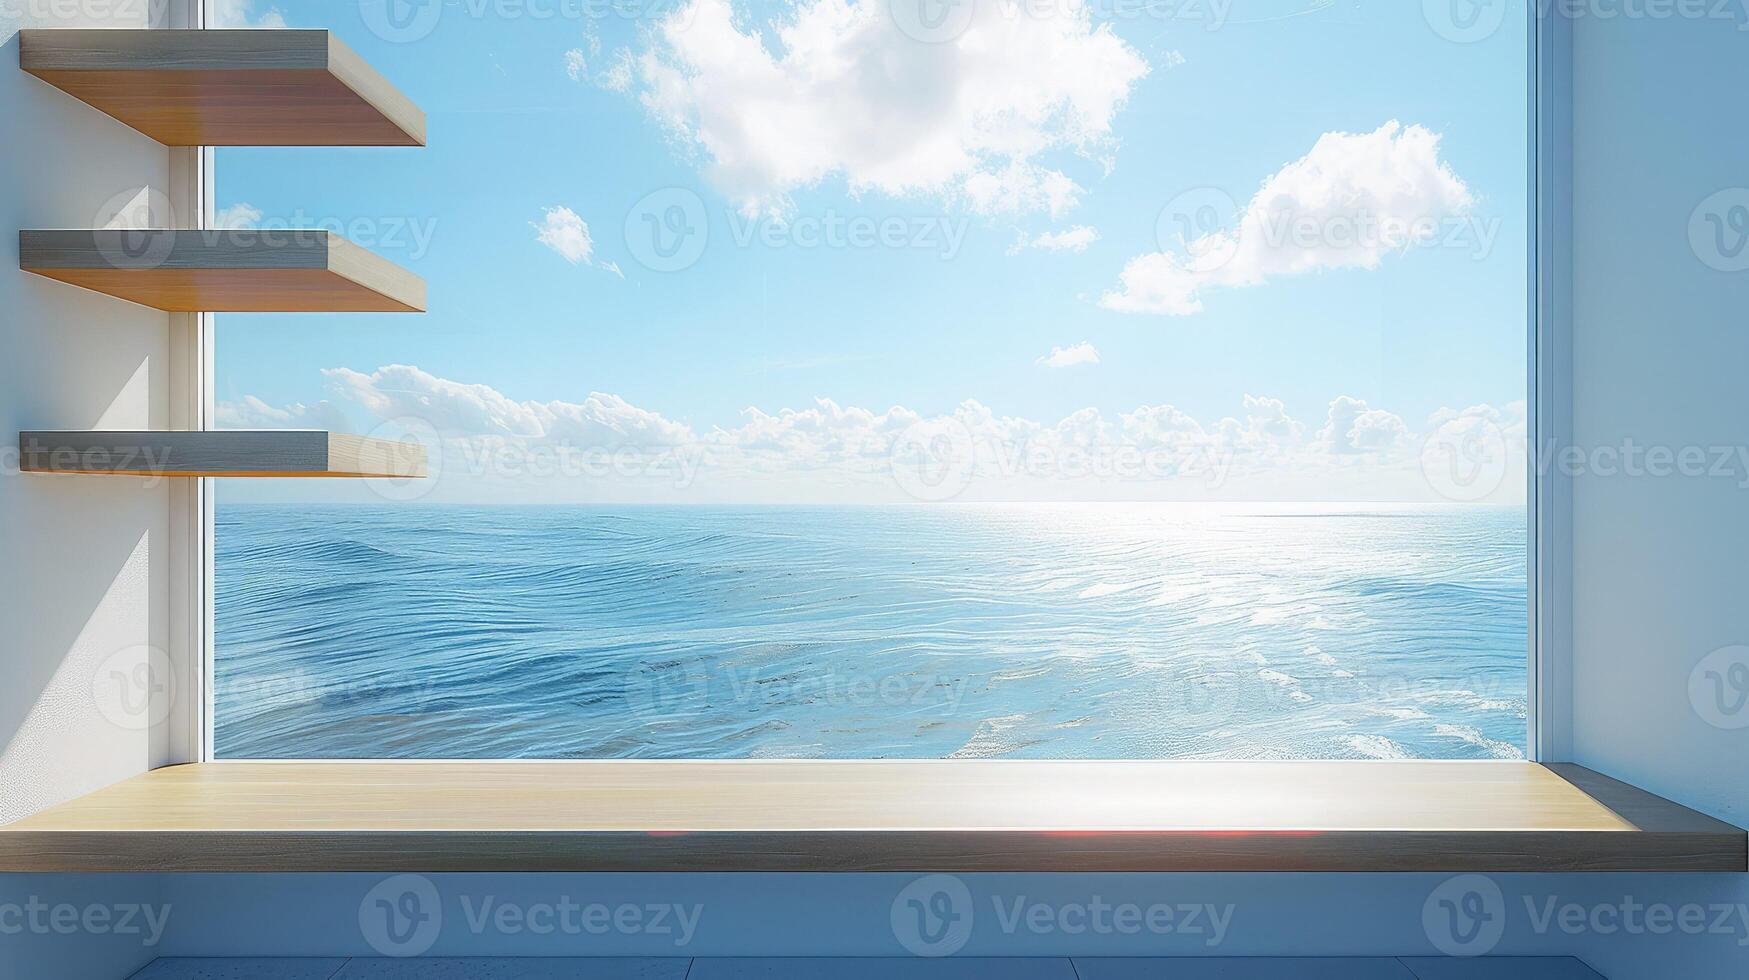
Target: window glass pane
{"type": "Point", "coordinates": [909, 379]}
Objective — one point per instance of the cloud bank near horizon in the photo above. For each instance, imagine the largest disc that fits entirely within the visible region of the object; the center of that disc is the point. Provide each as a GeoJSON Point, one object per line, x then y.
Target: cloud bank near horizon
{"type": "Point", "coordinates": [828, 450]}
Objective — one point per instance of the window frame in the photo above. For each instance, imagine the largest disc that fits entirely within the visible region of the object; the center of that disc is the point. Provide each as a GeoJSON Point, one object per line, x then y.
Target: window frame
{"type": "Point", "coordinates": [1549, 497]}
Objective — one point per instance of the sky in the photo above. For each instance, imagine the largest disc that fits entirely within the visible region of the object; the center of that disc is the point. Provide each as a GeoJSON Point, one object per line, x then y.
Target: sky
{"type": "Point", "coordinates": [898, 250]}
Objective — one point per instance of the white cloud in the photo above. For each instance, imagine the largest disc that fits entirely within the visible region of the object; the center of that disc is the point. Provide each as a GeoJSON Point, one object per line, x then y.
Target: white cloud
{"type": "Point", "coordinates": [827, 450]}
{"type": "Point", "coordinates": [1479, 453]}
{"type": "Point", "coordinates": [1062, 357]}
{"type": "Point", "coordinates": [241, 215]}
{"type": "Point", "coordinates": [1510, 420]}
{"type": "Point", "coordinates": [1351, 201]}
{"type": "Point", "coordinates": [1265, 432]}
{"type": "Point", "coordinates": [252, 413]}
{"type": "Point", "coordinates": [838, 89]}
{"type": "Point", "coordinates": [234, 14]}
{"type": "Point", "coordinates": [618, 76]}
{"type": "Point", "coordinates": [1268, 418]}
{"type": "Point", "coordinates": [1075, 239]}
{"type": "Point", "coordinates": [452, 407]}
{"type": "Point", "coordinates": [575, 67]}
{"type": "Point", "coordinates": [1352, 427]}
{"type": "Point", "coordinates": [819, 435]}
{"type": "Point", "coordinates": [565, 233]}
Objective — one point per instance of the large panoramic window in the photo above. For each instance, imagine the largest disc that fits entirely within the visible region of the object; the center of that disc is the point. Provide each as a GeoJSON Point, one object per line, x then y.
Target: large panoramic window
{"type": "Point", "coordinates": [899, 379]}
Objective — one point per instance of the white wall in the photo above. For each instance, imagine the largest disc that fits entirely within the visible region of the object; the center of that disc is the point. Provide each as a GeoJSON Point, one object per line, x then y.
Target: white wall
{"type": "Point", "coordinates": [83, 586]}
{"type": "Point", "coordinates": [82, 580]}
{"type": "Point", "coordinates": [1661, 346]}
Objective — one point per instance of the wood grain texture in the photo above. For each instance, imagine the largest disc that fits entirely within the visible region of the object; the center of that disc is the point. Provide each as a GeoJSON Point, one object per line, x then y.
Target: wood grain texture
{"type": "Point", "coordinates": [855, 816]}
{"type": "Point", "coordinates": [1645, 811]}
{"type": "Point", "coordinates": [229, 270]}
{"type": "Point", "coordinates": [248, 453]}
{"type": "Point", "coordinates": [227, 88]}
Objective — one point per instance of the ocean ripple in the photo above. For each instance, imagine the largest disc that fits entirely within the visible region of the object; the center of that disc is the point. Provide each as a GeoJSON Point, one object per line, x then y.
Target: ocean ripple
{"type": "Point", "coordinates": [975, 631]}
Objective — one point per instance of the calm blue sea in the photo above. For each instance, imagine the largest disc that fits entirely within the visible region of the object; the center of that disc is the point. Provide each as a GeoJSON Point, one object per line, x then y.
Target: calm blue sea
{"type": "Point", "coordinates": [1028, 631]}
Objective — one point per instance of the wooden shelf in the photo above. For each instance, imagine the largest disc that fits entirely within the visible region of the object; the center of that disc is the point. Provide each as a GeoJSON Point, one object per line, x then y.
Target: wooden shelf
{"type": "Point", "coordinates": [227, 88]}
{"type": "Point", "coordinates": [263, 453]}
{"type": "Point", "coordinates": [231, 270]}
{"type": "Point", "coordinates": [871, 816]}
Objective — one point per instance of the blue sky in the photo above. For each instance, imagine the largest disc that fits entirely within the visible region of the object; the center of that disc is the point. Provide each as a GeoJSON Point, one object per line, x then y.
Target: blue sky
{"type": "Point", "coordinates": [1018, 223]}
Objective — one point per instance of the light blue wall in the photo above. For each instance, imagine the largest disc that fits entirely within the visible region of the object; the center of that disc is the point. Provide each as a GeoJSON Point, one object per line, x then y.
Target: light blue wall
{"type": "Point", "coordinates": [1660, 346]}
{"type": "Point", "coordinates": [39, 938]}
{"type": "Point", "coordinates": [852, 915]}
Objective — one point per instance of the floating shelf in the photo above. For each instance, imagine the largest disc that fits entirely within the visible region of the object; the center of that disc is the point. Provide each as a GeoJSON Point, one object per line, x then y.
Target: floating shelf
{"type": "Point", "coordinates": [252, 453]}
{"type": "Point", "coordinates": [952, 816]}
{"type": "Point", "coordinates": [229, 270]}
{"type": "Point", "coordinates": [227, 88]}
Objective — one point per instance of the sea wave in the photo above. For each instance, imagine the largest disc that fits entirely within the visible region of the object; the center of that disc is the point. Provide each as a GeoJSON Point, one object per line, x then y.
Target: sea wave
{"type": "Point", "coordinates": [1019, 631]}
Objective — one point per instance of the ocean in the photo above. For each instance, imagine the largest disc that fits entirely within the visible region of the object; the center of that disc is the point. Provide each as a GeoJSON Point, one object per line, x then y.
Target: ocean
{"type": "Point", "coordinates": [1097, 631]}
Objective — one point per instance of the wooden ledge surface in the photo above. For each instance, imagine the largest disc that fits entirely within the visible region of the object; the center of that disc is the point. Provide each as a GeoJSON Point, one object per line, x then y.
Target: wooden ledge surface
{"type": "Point", "coordinates": [259, 453]}
{"type": "Point", "coordinates": [227, 87]}
{"type": "Point", "coordinates": [960, 816]}
{"type": "Point", "coordinates": [242, 270]}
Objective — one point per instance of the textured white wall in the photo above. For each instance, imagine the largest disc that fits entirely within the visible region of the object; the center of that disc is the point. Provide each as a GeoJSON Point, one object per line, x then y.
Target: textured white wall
{"type": "Point", "coordinates": [82, 578]}
{"type": "Point", "coordinates": [82, 585]}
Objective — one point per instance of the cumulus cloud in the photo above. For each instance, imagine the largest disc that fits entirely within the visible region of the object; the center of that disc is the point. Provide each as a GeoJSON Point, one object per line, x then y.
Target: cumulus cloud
{"type": "Point", "coordinates": [1511, 420]}
{"type": "Point", "coordinates": [565, 233]}
{"type": "Point", "coordinates": [838, 90]}
{"type": "Point", "coordinates": [575, 66]}
{"type": "Point", "coordinates": [1351, 201]}
{"type": "Point", "coordinates": [250, 412]}
{"type": "Point", "coordinates": [453, 407]}
{"type": "Point", "coordinates": [618, 76]}
{"type": "Point", "coordinates": [826, 447]}
{"type": "Point", "coordinates": [1268, 417]}
{"type": "Point", "coordinates": [1075, 239]}
{"type": "Point", "coordinates": [1477, 453]}
{"type": "Point", "coordinates": [234, 14]}
{"type": "Point", "coordinates": [1062, 357]}
{"type": "Point", "coordinates": [1352, 427]}
{"type": "Point", "coordinates": [819, 434]}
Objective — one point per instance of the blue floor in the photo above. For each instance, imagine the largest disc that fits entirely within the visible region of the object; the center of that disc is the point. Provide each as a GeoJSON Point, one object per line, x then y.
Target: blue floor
{"type": "Point", "coordinates": [1079, 968]}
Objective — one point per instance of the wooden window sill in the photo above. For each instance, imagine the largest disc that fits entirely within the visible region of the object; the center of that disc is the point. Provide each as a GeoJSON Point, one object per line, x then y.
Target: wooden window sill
{"type": "Point", "coordinates": [871, 816]}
